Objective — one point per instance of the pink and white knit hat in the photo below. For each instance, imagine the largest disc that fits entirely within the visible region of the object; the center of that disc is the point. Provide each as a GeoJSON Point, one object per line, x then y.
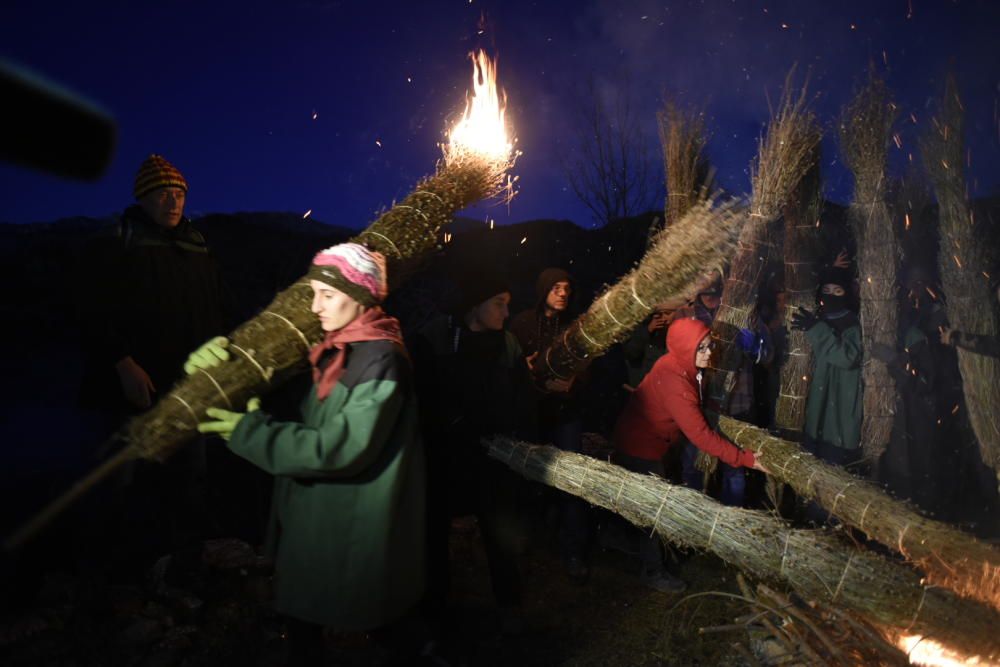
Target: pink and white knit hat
{"type": "Point", "coordinates": [354, 270]}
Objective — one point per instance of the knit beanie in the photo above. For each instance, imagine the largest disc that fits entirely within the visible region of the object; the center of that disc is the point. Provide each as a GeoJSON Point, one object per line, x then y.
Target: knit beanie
{"type": "Point", "coordinates": [354, 270]}
{"type": "Point", "coordinates": [476, 285]}
{"type": "Point", "coordinates": [155, 172]}
{"type": "Point", "coordinates": [547, 278]}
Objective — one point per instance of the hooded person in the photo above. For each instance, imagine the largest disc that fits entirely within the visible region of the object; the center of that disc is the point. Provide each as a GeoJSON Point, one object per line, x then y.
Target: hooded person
{"type": "Point", "coordinates": [557, 416]}
{"type": "Point", "coordinates": [346, 532]}
{"type": "Point", "coordinates": [469, 371]}
{"type": "Point", "coordinates": [833, 405]}
{"type": "Point", "coordinates": [757, 349]}
{"type": "Point", "coordinates": [664, 409]}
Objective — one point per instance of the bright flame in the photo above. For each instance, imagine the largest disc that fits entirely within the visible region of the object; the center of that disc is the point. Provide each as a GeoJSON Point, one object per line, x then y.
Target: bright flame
{"type": "Point", "coordinates": [923, 651]}
{"type": "Point", "coordinates": [482, 129]}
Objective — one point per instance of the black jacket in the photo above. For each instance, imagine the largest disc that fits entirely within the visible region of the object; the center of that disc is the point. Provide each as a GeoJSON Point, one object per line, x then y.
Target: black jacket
{"type": "Point", "coordinates": [148, 292]}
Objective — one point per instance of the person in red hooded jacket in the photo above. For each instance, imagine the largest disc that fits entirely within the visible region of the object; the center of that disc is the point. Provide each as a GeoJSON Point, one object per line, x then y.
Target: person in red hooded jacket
{"type": "Point", "coordinates": [665, 405]}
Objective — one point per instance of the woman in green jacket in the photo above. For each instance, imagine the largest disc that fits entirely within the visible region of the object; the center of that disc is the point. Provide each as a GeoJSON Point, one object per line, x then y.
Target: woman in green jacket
{"type": "Point", "coordinates": [347, 520]}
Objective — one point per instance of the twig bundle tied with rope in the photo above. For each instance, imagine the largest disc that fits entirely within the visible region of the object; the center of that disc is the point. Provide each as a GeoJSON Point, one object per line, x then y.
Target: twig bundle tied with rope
{"type": "Point", "coordinates": [800, 249]}
{"type": "Point", "coordinates": [683, 138]}
{"type": "Point", "coordinates": [273, 346]}
{"type": "Point", "coordinates": [785, 155]}
{"type": "Point", "coordinates": [672, 268]}
{"type": "Point", "coordinates": [817, 565]}
{"type": "Point", "coordinates": [865, 133]}
{"type": "Point", "coordinates": [964, 271]}
{"type": "Point", "coordinates": [948, 556]}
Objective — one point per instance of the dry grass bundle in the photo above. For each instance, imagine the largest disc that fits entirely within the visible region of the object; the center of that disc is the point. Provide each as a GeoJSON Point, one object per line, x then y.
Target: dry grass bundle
{"type": "Point", "coordinates": [865, 132]}
{"type": "Point", "coordinates": [683, 138]}
{"type": "Point", "coordinates": [272, 346]}
{"type": "Point", "coordinates": [817, 565]}
{"type": "Point", "coordinates": [949, 557]}
{"type": "Point", "coordinates": [785, 154]}
{"type": "Point", "coordinates": [801, 238]}
{"type": "Point", "coordinates": [963, 263]}
{"type": "Point", "coordinates": [670, 269]}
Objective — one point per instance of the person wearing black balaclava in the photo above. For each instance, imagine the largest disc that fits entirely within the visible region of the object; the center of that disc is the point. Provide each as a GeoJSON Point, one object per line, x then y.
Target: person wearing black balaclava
{"type": "Point", "coordinates": [833, 406]}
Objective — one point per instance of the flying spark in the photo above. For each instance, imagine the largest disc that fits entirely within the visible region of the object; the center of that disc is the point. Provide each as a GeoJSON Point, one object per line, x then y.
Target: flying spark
{"type": "Point", "coordinates": [307, 214]}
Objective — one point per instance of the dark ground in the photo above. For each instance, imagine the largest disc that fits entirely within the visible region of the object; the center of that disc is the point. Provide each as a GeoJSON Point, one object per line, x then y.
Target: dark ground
{"type": "Point", "coordinates": [223, 617]}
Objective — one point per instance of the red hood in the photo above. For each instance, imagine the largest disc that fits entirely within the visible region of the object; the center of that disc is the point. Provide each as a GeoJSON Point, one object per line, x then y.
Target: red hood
{"type": "Point", "coordinates": [683, 337]}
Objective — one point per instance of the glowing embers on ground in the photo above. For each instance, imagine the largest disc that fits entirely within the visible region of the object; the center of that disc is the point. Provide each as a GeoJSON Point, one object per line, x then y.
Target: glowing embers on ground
{"type": "Point", "coordinates": [924, 651]}
{"type": "Point", "coordinates": [482, 129]}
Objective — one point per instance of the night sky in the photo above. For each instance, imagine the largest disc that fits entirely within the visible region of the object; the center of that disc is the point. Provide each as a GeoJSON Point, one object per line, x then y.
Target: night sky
{"type": "Point", "coordinates": [228, 91]}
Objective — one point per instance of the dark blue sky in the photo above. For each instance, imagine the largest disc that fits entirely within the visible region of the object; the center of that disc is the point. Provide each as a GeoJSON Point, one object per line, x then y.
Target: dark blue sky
{"type": "Point", "coordinates": [227, 90]}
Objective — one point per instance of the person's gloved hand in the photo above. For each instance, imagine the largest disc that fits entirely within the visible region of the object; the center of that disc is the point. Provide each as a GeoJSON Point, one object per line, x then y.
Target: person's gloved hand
{"type": "Point", "coordinates": [208, 355]}
{"type": "Point", "coordinates": [749, 341]}
{"type": "Point", "coordinates": [884, 353]}
{"type": "Point", "coordinates": [804, 320]}
{"type": "Point", "coordinates": [226, 420]}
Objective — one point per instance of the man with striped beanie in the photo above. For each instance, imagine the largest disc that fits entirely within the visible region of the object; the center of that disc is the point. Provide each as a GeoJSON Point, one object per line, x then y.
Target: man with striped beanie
{"type": "Point", "coordinates": [160, 190]}
{"type": "Point", "coordinates": [150, 293]}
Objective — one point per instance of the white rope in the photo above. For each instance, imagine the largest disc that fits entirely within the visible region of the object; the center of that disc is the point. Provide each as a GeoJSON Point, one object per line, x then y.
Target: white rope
{"type": "Point", "coordinates": [287, 321]}
{"type": "Point", "coordinates": [711, 534]}
{"type": "Point", "coordinates": [608, 310]}
{"type": "Point", "coordinates": [389, 241]}
{"type": "Point", "coordinates": [189, 408]}
{"type": "Point", "coordinates": [217, 386]}
{"type": "Point", "coordinates": [412, 208]}
{"type": "Point", "coordinates": [263, 373]}
{"type": "Point", "coordinates": [636, 296]}
{"type": "Point", "coordinates": [842, 577]}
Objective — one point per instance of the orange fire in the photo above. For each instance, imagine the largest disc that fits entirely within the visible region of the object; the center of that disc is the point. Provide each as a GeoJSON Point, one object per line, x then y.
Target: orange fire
{"type": "Point", "coordinates": [923, 651]}
{"type": "Point", "coordinates": [482, 129]}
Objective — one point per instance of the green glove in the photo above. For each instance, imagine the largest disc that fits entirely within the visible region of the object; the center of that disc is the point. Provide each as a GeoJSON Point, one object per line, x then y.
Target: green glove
{"type": "Point", "coordinates": [208, 355]}
{"type": "Point", "coordinates": [226, 421]}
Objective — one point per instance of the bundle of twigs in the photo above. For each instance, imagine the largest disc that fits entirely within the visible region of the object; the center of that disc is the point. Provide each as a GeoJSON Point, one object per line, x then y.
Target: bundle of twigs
{"type": "Point", "coordinates": [785, 155]}
{"type": "Point", "coordinates": [671, 269]}
{"type": "Point", "coordinates": [865, 133]}
{"type": "Point", "coordinates": [817, 565]}
{"type": "Point", "coordinates": [948, 556]}
{"type": "Point", "coordinates": [273, 346]}
{"type": "Point", "coordinates": [683, 138]}
{"type": "Point", "coordinates": [963, 263]}
{"type": "Point", "coordinates": [784, 629]}
{"type": "Point", "coordinates": [801, 237]}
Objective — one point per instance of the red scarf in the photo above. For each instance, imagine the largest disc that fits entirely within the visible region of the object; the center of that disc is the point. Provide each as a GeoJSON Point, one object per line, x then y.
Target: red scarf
{"type": "Point", "coordinates": [373, 325]}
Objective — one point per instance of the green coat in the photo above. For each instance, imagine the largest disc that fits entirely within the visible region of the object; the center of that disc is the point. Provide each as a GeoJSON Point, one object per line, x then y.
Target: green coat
{"type": "Point", "coordinates": [833, 407]}
{"type": "Point", "coordinates": [347, 518]}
